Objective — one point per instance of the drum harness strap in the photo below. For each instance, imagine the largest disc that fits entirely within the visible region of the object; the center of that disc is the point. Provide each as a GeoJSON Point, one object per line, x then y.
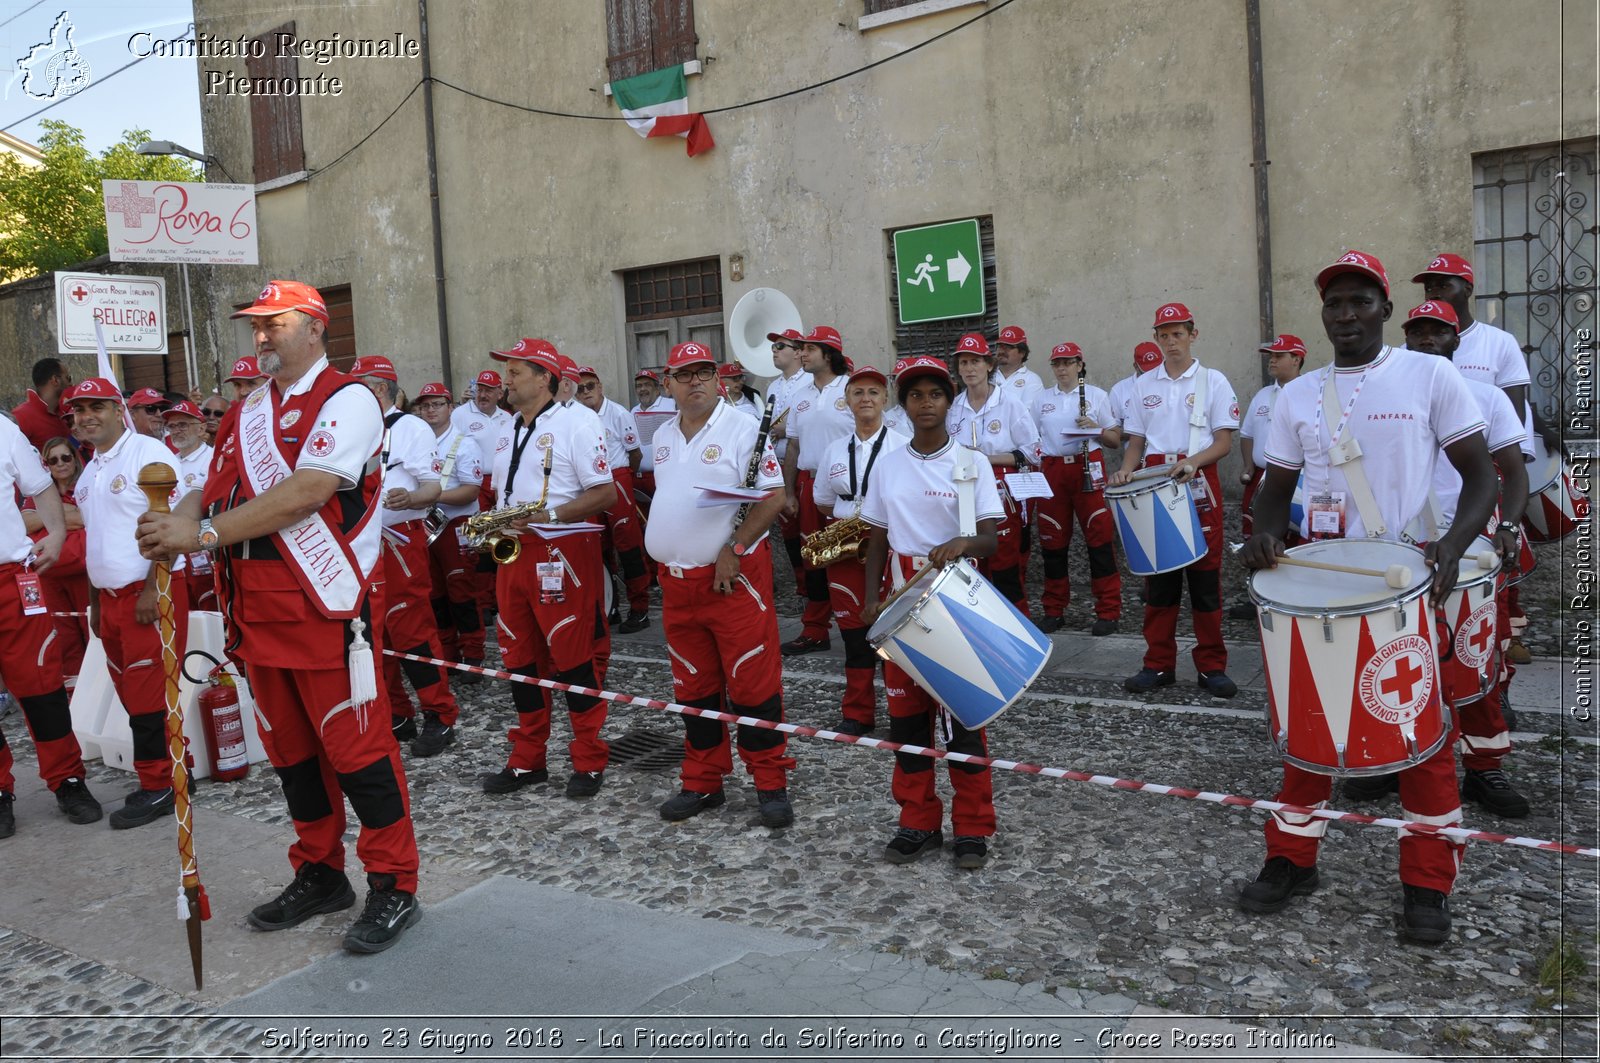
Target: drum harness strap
{"type": "Point", "coordinates": [1199, 438]}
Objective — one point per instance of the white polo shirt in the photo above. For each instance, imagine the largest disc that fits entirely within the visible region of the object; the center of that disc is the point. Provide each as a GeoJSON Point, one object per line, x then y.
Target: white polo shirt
{"type": "Point", "coordinates": [849, 468]}
{"type": "Point", "coordinates": [484, 429]}
{"type": "Point", "coordinates": [1024, 385]}
{"type": "Point", "coordinates": [410, 463]}
{"type": "Point", "coordinates": [746, 405]}
{"type": "Point", "coordinates": [458, 469]}
{"type": "Point", "coordinates": [1161, 403]}
{"type": "Point", "coordinates": [1257, 419]}
{"type": "Point", "coordinates": [1122, 396]}
{"type": "Point", "coordinates": [1056, 413]}
{"type": "Point", "coordinates": [785, 388]}
{"type": "Point", "coordinates": [577, 458]}
{"type": "Point", "coordinates": [348, 431]}
{"type": "Point", "coordinates": [1410, 407]}
{"type": "Point", "coordinates": [818, 418]}
{"type": "Point", "coordinates": [1492, 355]}
{"type": "Point", "coordinates": [621, 434]}
{"type": "Point", "coordinates": [1000, 426]}
{"type": "Point", "coordinates": [111, 504]}
{"type": "Point", "coordinates": [193, 470]}
{"type": "Point", "coordinates": [913, 495]}
{"type": "Point", "coordinates": [1504, 430]}
{"type": "Point", "coordinates": [896, 417]}
{"type": "Point", "coordinates": [719, 455]}
{"type": "Point", "coordinates": [20, 469]}
{"type": "Point", "coordinates": [647, 421]}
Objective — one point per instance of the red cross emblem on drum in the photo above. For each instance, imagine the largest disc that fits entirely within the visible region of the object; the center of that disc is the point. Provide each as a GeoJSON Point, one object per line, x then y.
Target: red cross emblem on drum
{"type": "Point", "coordinates": [1398, 681]}
{"type": "Point", "coordinates": [1475, 637]}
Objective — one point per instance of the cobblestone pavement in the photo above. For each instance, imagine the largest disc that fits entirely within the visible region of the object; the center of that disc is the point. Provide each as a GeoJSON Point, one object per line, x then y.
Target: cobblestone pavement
{"type": "Point", "coordinates": [1087, 889]}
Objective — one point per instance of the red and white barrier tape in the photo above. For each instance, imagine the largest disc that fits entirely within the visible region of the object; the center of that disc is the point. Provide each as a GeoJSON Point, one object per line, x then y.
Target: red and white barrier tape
{"type": "Point", "coordinates": [1130, 785]}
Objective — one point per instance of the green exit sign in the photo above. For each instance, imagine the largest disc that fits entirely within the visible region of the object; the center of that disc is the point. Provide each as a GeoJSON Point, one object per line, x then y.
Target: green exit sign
{"type": "Point", "coordinates": [939, 272]}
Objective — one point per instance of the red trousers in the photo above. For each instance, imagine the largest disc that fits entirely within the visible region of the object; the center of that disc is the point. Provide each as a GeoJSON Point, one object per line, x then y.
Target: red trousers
{"type": "Point", "coordinates": [726, 643]}
{"type": "Point", "coordinates": [133, 656]}
{"type": "Point", "coordinates": [1485, 739]}
{"type": "Point", "coordinates": [912, 716]}
{"type": "Point", "coordinates": [30, 664]}
{"type": "Point", "coordinates": [324, 752]}
{"type": "Point", "coordinates": [1070, 497]}
{"type": "Point", "coordinates": [555, 634]}
{"type": "Point", "coordinates": [452, 577]}
{"type": "Point", "coordinates": [1007, 567]}
{"type": "Point", "coordinates": [409, 627]}
{"type": "Point", "coordinates": [1164, 595]}
{"type": "Point", "coordinates": [625, 534]}
{"type": "Point", "coordinates": [818, 605]}
{"type": "Point", "coordinates": [847, 585]}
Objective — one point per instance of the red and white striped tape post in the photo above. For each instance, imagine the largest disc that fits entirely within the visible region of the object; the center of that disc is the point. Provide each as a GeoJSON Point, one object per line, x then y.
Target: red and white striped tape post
{"type": "Point", "coordinates": [1129, 785]}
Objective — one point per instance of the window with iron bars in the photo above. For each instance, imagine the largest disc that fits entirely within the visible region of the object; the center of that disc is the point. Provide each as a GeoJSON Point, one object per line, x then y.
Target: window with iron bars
{"type": "Point", "coordinates": [673, 290]}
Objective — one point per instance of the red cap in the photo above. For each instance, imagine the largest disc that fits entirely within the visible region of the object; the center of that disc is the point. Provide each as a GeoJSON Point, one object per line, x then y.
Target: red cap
{"type": "Point", "coordinates": [1449, 266]}
{"type": "Point", "coordinates": [1354, 262]}
{"type": "Point", "coordinates": [1013, 335]}
{"type": "Point", "coordinates": [788, 335]}
{"type": "Point", "coordinates": [1172, 314]}
{"type": "Point", "coordinates": [282, 296]}
{"type": "Point", "coordinates": [183, 409]}
{"type": "Point", "coordinates": [535, 352]}
{"type": "Point", "coordinates": [246, 368]}
{"type": "Point", "coordinates": [588, 370]}
{"type": "Point", "coordinates": [434, 390]}
{"type": "Point", "coordinates": [647, 374]}
{"type": "Point", "coordinates": [826, 336]}
{"type": "Point", "coordinates": [686, 354]}
{"type": "Point", "coordinates": [972, 343]}
{"type": "Point", "coordinates": [375, 365]}
{"type": "Point", "coordinates": [868, 371]}
{"type": "Point", "coordinates": [849, 365]}
{"type": "Point", "coordinates": [489, 379]}
{"type": "Point", "coordinates": [1284, 343]}
{"type": "Point", "coordinates": [921, 365]}
{"type": "Point", "coordinates": [730, 369]}
{"type": "Point", "coordinates": [1437, 311]}
{"type": "Point", "coordinates": [1065, 350]}
{"type": "Point", "coordinates": [569, 368]}
{"type": "Point", "coordinates": [95, 387]}
{"type": "Point", "coordinates": [1146, 356]}
{"type": "Point", "coordinates": [146, 397]}
{"type": "Point", "coordinates": [899, 366]}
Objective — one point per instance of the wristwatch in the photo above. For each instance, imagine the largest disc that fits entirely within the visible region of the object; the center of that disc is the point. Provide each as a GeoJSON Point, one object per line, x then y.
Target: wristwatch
{"type": "Point", "coordinates": [738, 548]}
{"type": "Point", "coordinates": [1506, 526]}
{"type": "Point", "coordinates": [552, 517]}
{"type": "Point", "coordinates": [207, 537]}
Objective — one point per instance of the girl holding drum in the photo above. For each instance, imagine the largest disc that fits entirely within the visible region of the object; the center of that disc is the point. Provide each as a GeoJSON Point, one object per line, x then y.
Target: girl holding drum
{"type": "Point", "coordinates": [914, 514]}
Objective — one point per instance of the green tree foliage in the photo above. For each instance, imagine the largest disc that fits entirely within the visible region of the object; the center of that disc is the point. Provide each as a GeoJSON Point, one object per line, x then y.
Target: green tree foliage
{"type": "Point", "coordinates": [52, 216]}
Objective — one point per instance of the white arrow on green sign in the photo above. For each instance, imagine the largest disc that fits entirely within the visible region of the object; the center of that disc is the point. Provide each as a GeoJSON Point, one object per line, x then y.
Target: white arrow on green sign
{"type": "Point", "coordinates": [939, 271]}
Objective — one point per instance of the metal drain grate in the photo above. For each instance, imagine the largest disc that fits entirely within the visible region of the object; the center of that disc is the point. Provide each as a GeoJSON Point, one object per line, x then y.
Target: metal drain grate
{"type": "Point", "coordinates": [648, 750]}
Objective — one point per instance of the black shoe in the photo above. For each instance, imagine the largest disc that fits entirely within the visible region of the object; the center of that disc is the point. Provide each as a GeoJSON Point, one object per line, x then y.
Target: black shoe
{"type": "Point", "coordinates": [853, 728]}
{"type": "Point", "coordinates": [470, 678]}
{"type": "Point", "coordinates": [614, 617]}
{"type": "Point", "coordinates": [1103, 626]}
{"type": "Point", "coordinates": [1425, 916]}
{"type": "Point", "coordinates": [584, 783]}
{"type": "Point", "coordinates": [387, 914]}
{"type": "Point", "coordinates": [404, 727]}
{"type": "Point", "coordinates": [435, 738]}
{"type": "Point", "coordinates": [908, 845]}
{"type": "Point", "coordinates": [508, 780]}
{"type": "Point", "coordinates": [1242, 611]}
{"type": "Point", "coordinates": [1217, 684]}
{"type": "Point", "coordinates": [1278, 881]}
{"type": "Point", "coordinates": [146, 806]}
{"type": "Point", "coordinates": [74, 798]}
{"type": "Point", "coordinates": [1494, 792]}
{"type": "Point", "coordinates": [776, 811]}
{"type": "Point", "coordinates": [1369, 787]}
{"type": "Point", "coordinates": [1049, 623]}
{"type": "Point", "coordinates": [8, 818]}
{"type": "Point", "coordinates": [1147, 680]}
{"type": "Point", "coordinates": [971, 852]}
{"type": "Point", "coordinates": [804, 644]}
{"type": "Point", "coordinates": [317, 888]}
{"type": "Point", "coordinates": [688, 804]}
{"type": "Point", "coordinates": [635, 622]}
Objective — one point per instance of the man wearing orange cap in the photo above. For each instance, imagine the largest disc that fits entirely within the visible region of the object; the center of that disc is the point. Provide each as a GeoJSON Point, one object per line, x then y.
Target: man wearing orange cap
{"type": "Point", "coordinates": [451, 563]}
{"type": "Point", "coordinates": [187, 433]}
{"type": "Point", "coordinates": [292, 514]}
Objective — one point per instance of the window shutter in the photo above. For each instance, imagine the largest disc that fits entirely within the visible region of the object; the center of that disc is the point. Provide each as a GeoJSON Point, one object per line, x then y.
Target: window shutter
{"type": "Point", "coordinates": [628, 38]}
{"type": "Point", "coordinates": [674, 34]}
{"type": "Point", "coordinates": [275, 119]}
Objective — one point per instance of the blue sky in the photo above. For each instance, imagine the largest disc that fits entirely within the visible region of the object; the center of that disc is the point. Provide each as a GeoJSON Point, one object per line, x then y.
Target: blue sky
{"type": "Point", "coordinates": [159, 93]}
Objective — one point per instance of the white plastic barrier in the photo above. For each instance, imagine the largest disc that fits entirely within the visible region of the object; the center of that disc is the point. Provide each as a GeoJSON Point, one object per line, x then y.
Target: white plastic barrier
{"type": "Point", "coordinates": [101, 723]}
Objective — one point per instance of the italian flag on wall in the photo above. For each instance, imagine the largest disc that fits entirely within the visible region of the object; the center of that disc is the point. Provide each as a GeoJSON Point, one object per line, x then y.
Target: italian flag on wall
{"type": "Point", "coordinates": [657, 105]}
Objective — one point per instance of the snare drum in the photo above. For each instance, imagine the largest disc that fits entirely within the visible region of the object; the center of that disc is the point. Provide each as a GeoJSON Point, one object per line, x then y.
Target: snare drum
{"type": "Point", "coordinates": [1353, 677]}
{"type": "Point", "coordinates": [1158, 524]}
{"type": "Point", "coordinates": [1527, 560]}
{"type": "Point", "coordinates": [962, 642]}
{"type": "Point", "coordinates": [1469, 614]}
{"type": "Point", "coordinates": [1555, 505]}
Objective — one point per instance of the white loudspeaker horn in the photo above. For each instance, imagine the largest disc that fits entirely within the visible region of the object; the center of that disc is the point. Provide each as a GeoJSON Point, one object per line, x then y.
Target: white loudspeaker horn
{"type": "Point", "coordinates": [757, 313]}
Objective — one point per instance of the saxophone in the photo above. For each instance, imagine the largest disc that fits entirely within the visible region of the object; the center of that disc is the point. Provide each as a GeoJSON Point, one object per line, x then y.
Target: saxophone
{"type": "Point", "coordinates": [486, 531]}
{"type": "Point", "coordinates": [842, 540]}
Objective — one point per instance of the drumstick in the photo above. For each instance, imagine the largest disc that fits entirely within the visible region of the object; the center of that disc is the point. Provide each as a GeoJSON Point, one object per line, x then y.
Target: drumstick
{"type": "Point", "coordinates": [1397, 576]}
{"type": "Point", "coordinates": [923, 571]}
{"type": "Point", "coordinates": [1152, 471]}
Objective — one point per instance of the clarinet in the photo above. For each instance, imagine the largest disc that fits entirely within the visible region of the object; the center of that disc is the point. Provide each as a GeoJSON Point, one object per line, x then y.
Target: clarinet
{"type": "Point", "coordinates": [754, 468]}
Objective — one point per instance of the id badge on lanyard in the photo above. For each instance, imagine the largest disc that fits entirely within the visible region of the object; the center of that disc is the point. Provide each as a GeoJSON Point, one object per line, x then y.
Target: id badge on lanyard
{"type": "Point", "coordinates": [552, 582]}
{"type": "Point", "coordinates": [1202, 492]}
{"type": "Point", "coordinates": [1094, 474]}
{"type": "Point", "coordinates": [30, 594]}
{"type": "Point", "coordinates": [200, 562]}
{"type": "Point", "coordinates": [1326, 515]}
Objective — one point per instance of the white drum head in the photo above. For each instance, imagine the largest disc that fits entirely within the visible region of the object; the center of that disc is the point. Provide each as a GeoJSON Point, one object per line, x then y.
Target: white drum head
{"type": "Point", "coordinates": [1316, 589]}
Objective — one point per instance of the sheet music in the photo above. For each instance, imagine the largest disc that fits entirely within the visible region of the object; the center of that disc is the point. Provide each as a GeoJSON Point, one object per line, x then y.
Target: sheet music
{"type": "Point", "coordinates": [1023, 485]}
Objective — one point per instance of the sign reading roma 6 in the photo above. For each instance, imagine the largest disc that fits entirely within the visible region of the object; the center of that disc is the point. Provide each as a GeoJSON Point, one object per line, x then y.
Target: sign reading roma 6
{"type": "Point", "coordinates": [171, 221]}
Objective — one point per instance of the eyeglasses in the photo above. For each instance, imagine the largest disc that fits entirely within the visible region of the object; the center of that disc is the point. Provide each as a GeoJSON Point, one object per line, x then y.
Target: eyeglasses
{"type": "Point", "coordinates": [60, 459]}
{"type": "Point", "coordinates": [689, 376]}
{"type": "Point", "coordinates": [431, 404]}
{"type": "Point", "coordinates": [584, 389]}
{"type": "Point", "coordinates": [215, 415]}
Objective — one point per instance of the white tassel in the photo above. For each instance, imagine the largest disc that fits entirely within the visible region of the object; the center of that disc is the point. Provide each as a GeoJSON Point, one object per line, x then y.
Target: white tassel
{"type": "Point", "coordinates": [183, 906]}
{"type": "Point", "coordinates": [363, 674]}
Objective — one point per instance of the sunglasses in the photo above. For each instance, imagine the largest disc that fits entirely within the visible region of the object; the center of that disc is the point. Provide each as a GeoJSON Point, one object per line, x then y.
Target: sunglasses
{"type": "Point", "coordinates": [215, 415]}
{"type": "Point", "coordinates": [783, 347]}
{"type": "Point", "coordinates": [60, 459]}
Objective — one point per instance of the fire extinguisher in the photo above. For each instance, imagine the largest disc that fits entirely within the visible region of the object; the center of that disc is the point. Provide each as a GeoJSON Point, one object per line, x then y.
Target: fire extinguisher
{"type": "Point", "coordinates": [221, 722]}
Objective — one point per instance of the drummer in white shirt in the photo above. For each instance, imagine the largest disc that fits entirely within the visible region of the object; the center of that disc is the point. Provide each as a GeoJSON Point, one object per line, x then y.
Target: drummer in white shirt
{"type": "Point", "coordinates": [1161, 430]}
{"type": "Point", "coordinates": [186, 432]}
{"type": "Point", "coordinates": [990, 421]}
{"type": "Point", "coordinates": [1400, 408]}
{"type": "Point", "coordinates": [1075, 421]}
